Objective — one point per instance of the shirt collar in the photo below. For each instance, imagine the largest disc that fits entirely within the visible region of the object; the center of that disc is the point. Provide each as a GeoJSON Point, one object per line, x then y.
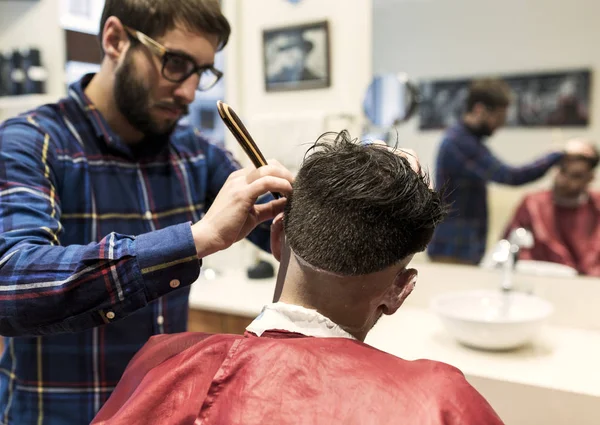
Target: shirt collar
{"type": "Point", "coordinates": [297, 319]}
{"type": "Point", "coordinates": [77, 92]}
{"type": "Point", "coordinates": [465, 129]}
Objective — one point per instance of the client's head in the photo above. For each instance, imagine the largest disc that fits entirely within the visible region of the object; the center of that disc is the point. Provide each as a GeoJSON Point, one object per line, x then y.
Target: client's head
{"type": "Point", "coordinates": [576, 172]}
{"type": "Point", "coordinates": [357, 215]}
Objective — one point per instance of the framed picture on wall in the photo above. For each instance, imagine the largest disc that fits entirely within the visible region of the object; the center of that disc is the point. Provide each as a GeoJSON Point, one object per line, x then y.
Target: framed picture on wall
{"type": "Point", "coordinates": [297, 57]}
{"type": "Point", "coordinates": [548, 99]}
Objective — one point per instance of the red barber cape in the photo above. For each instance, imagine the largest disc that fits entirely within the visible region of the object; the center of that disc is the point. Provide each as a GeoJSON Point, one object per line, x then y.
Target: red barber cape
{"type": "Point", "coordinates": [287, 378]}
{"type": "Point", "coordinates": [564, 235]}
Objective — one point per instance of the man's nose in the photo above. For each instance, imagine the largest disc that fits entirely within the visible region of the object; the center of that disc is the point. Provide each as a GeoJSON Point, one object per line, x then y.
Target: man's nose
{"type": "Point", "coordinates": [186, 91]}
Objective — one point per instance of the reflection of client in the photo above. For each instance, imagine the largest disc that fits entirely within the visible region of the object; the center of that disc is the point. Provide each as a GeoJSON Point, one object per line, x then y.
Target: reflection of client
{"type": "Point", "coordinates": [465, 165]}
{"type": "Point", "coordinates": [565, 221]}
{"type": "Point", "coordinates": [291, 55]}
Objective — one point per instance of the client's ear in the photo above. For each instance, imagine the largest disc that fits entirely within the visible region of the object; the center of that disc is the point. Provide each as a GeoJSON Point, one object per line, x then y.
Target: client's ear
{"type": "Point", "coordinates": [277, 236]}
{"type": "Point", "coordinates": [403, 285]}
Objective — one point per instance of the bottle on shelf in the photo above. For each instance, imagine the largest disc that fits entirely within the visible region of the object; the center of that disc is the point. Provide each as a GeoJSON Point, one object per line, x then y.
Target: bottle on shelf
{"type": "Point", "coordinates": [35, 74]}
{"type": "Point", "coordinates": [5, 82]}
{"type": "Point", "coordinates": [17, 75]}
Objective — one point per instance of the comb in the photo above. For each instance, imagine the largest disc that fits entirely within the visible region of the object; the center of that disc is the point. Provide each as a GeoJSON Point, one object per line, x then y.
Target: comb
{"type": "Point", "coordinates": [241, 134]}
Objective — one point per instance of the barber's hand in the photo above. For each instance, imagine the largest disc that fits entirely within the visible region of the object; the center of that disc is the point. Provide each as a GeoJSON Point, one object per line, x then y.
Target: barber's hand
{"type": "Point", "coordinates": [580, 147]}
{"type": "Point", "coordinates": [409, 154]}
{"type": "Point", "coordinates": [234, 214]}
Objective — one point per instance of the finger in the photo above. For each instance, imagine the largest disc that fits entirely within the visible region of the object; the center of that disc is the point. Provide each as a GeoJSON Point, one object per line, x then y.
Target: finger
{"type": "Point", "coordinates": [241, 172]}
{"type": "Point", "coordinates": [266, 184]}
{"type": "Point", "coordinates": [411, 157]}
{"type": "Point", "coordinates": [269, 170]}
{"type": "Point", "coordinates": [290, 176]}
{"type": "Point", "coordinates": [273, 161]}
{"type": "Point", "coordinates": [270, 210]}
{"type": "Point", "coordinates": [251, 169]}
{"type": "Point", "coordinates": [409, 154]}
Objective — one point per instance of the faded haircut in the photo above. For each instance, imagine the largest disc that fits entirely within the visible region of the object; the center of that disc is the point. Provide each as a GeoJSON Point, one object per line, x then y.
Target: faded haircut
{"type": "Point", "coordinates": [359, 208]}
{"type": "Point", "coordinates": [155, 17]}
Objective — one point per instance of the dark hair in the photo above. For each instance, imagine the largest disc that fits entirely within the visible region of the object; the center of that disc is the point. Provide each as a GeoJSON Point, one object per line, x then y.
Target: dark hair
{"type": "Point", "coordinates": [492, 93]}
{"type": "Point", "coordinates": [358, 209]}
{"type": "Point", "coordinates": [592, 162]}
{"type": "Point", "coordinates": [155, 17]}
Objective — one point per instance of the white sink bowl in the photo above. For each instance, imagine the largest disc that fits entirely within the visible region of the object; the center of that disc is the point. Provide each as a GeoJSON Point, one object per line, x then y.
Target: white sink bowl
{"type": "Point", "coordinates": [544, 268]}
{"type": "Point", "coordinates": [492, 320]}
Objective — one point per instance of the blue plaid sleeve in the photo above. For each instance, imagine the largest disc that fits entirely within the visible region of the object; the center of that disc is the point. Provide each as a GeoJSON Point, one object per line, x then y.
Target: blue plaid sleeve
{"type": "Point", "coordinates": [477, 160]}
{"type": "Point", "coordinates": [48, 288]}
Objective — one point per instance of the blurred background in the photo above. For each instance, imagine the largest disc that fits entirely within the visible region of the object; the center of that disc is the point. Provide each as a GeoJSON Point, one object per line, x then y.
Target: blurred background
{"type": "Point", "coordinates": [398, 70]}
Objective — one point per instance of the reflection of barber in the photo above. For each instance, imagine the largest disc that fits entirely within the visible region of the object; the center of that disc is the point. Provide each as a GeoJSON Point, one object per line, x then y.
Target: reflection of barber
{"type": "Point", "coordinates": [291, 55]}
{"type": "Point", "coordinates": [465, 165]}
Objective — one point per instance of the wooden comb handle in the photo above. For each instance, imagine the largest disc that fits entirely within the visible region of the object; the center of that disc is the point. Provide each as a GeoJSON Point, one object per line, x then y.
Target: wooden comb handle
{"type": "Point", "coordinates": [241, 134]}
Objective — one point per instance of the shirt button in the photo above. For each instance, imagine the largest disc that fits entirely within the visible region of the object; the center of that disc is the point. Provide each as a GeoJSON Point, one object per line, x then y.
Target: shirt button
{"type": "Point", "coordinates": [110, 315]}
{"type": "Point", "coordinates": [174, 283]}
{"type": "Point", "coordinates": [160, 320]}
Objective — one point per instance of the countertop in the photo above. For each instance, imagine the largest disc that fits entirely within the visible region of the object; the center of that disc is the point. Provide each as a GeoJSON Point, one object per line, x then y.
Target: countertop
{"type": "Point", "coordinates": [562, 358]}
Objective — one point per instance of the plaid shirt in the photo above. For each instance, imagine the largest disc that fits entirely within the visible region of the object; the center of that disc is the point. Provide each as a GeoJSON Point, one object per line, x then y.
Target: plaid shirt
{"type": "Point", "coordinates": [465, 165]}
{"type": "Point", "coordinates": [79, 295]}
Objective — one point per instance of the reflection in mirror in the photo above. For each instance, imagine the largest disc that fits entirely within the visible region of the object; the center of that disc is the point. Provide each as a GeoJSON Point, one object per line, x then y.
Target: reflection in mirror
{"type": "Point", "coordinates": [551, 102]}
{"type": "Point", "coordinates": [390, 100]}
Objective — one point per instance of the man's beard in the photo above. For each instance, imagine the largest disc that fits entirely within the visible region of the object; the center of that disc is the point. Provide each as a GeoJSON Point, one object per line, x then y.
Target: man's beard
{"type": "Point", "coordinates": [133, 101]}
{"type": "Point", "coordinates": [568, 199]}
{"type": "Point", "coordinates": [484, 130]}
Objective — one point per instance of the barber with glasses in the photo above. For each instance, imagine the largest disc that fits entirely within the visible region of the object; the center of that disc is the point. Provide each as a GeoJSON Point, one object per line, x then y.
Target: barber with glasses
{"type": "Point", "coordinates": [108, 206]}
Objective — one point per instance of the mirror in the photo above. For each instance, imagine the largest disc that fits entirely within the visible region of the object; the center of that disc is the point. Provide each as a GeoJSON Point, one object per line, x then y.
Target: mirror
{"type": "Point", "coordinates": [391, 99]}
{"type": "Point", "coordinates": [553, 99]}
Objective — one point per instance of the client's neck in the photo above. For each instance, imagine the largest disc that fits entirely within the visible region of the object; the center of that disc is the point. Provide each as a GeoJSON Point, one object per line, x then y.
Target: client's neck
{"type": "Point", "coordinates": [572, 201]}
{"type": "Point", "coordinates": [329, 295]}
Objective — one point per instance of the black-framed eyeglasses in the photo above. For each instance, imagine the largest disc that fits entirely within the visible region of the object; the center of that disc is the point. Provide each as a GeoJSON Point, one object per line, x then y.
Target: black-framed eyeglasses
{"type": "Point", "coordinates": [177, 67]}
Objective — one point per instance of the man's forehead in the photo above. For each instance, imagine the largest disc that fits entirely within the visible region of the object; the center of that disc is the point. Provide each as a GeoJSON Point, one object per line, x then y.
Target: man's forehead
{"type": "Point", "coordinates": [194, 43]}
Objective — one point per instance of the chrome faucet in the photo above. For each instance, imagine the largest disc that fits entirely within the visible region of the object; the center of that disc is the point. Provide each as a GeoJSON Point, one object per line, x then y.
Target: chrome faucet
{"type": "Point", "coordinates": [507, 251]}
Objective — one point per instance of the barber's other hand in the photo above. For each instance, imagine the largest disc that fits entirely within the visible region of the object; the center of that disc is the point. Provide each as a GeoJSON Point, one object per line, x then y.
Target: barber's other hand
{"type": "Point", "coordinates": [580, 147]}
{"type": "Point", "coordinates": [408, 154]}
{"type": "Point", "coordinates": [234, 214]}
